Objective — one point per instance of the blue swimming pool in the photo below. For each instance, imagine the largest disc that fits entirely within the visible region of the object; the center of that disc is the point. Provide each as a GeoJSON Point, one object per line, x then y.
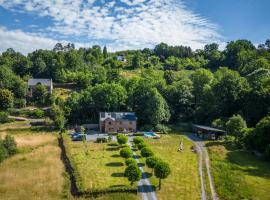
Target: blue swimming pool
{"type": "Point", "coordinates": [149, 134]}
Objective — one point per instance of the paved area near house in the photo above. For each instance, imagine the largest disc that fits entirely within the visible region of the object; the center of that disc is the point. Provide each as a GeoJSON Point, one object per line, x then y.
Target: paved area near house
{"type": "Point", "coordinates": [145, 188]}
{"type": "Point", "coordinates": [203, 160]}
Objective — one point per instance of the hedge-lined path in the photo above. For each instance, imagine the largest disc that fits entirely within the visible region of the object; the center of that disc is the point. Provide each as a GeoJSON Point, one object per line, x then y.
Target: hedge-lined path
{"type": "Point", "coordinates": [145, 188]}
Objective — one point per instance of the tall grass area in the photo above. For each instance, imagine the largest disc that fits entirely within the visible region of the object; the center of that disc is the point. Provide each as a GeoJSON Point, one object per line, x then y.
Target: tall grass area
{"type": "Point", "coordinates": [99, 168]}
{"type": "Point", "coordinates": [36, 172]}
{"type": "Point", "coordinates": [184, 182]}
{"type": "Point", "coordinates": [238, 174]}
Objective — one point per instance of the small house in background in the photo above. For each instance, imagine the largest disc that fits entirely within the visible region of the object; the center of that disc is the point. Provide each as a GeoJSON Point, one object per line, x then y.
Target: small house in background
{"type": "Point", "coordinates": [121, 58]}
{"type": "Point", "coordinates": [207, 132]}
{"type": "Point", "coordinates": [33, 82]}
{"type": "Point", "coordinates": [111, 122]}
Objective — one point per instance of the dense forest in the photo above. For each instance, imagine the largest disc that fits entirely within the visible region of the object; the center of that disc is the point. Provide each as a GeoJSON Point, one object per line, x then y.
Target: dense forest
{"type": "Point", "coordinates": [228, 89]}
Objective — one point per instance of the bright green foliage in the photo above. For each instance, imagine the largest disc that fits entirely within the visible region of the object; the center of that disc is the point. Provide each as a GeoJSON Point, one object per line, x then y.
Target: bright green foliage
{"type": "Point", "coordinates": [133, 173]}
{"type": "Point", "coordinates": [162, 170]}
{"type": "Point", "coordinates": [146, 152]}
{"type": "Point", "coordinates": [126, 152]}
{"type": "Point", "coordinates": [6, 99]}
{"type": "Point", "coordinates": [141, 145]}
{"type": "Point", "coordinates": [235, 124]}
{"type": "Point", "coordinates": [152, 161]}
{"type": "Point", "coordinates": [130, 161]}
{"type": "Point", "coordinates": [138, 140]}
{"type": "Point", "coordinates": [122, 139]}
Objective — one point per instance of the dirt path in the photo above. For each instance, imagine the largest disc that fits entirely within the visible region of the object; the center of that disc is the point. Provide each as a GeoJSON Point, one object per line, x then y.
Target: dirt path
{"type": "Point", "coordinates": [204, 161]}
{"type": "Point", "coordinates": [145, 188]}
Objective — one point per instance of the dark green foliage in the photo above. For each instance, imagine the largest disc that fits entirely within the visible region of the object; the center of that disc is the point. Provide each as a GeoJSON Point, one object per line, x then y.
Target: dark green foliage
{"type": "Point", "coordinates": [126, 152]}
{"type": "Point", "coordinates": [10, 145]}
{"type": "Point", "coordinates": [133, 173]}
{"type": "Point", "coordinates": [152, 161]}
{"type": "Point", "coordinates": [3, 151]}
{"type": "Point", "coordinates": [130, 161]}
{"type": "Point", "coordinates": [6, 99]}
{"type": "Point", "coordinates": [122, 139]}
{"type": "Point", "coordinates": [146, 152]}
{"type": "Point", "coordinates": [102, 140]}
{"type": "Point", "coordinates": [162, 170]}
{"type": "Point", "coordinates": [162, 128]}
{"type": "Point", "coordinates": [235, 124]}
{"type": "Point", "coordinates": [141, 145]}
{"type": "Point", "coordinates": [40, 94]}
{"type": "Point", "coordinates": [4, 117]}
{"type": "Point", "coordinates": [262, 134]}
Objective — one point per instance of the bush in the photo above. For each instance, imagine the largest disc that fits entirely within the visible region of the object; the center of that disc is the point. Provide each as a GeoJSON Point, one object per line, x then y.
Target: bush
{"type": "Point", "coordinates": [152, 161]}
{"type": "Point", "coordinates": [218, 123]}
{"type": "Point", "coordinates": [101, 140]}
{"type": "Point", "coordinates": [141, 145]}
{"type": "Point", "coordinates": [235, 124]}
{"type": "Point", "coordinates": [38, 113]}
{"type": "Point", "coordinates": [138, 140]}
{"type": "Point", "coordinates": [133, 173]}
{"type": "Point", "coordinates": [162, 171]}
{"type": "Point", "coordinates": [10, 144]}
{"type": "Point", "coordinates": [20, 103]}
{"type": "Point", "coordinates": [162, 128]}
{"type": "Point", "coordinates": [4, 117]}
{"type": "Point", "coordinates": [3, 151]}
{"type": "Point", "coordinates": [126, 152]}
{"type": "Point", "coordinates": [130, 161]}
{"type": "Point", "coordinates": [146, 152]}
{"type": "Point", "coordinates": [6, 99]}
{"type": "Point", "coordinates": [122, 139]}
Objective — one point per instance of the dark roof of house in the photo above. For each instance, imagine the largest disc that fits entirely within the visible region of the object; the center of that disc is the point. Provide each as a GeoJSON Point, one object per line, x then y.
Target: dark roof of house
{"type": "Point", "coordinates": [129, 116]}
{"type": "Point", "coordinates": [208, 128]}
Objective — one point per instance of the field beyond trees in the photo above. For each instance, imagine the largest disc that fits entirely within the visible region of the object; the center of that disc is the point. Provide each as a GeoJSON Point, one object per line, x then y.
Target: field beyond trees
{"type": "Point", "coordinates": [36, 172]}
{"type": "Point", "coordinates": [239, 174]}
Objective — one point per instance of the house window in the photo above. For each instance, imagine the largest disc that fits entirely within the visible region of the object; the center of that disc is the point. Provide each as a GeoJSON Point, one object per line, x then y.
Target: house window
{"type": "Point", "coordinates": [130, 123]}
{"type": "Point", "coordinates": [109, 123]}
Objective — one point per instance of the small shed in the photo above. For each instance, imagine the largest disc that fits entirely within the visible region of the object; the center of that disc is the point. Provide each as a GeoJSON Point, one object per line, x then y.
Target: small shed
{"type": "Point", "coordinates": [33, 82]}
{"type": "Point", "coordinates": [207, 132]}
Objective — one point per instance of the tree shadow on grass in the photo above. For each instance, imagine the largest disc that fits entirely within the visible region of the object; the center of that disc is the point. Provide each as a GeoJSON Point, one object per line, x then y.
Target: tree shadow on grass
{"type": "Point", "coordinates": [114, 164]}
{"type": "Point", "coordinates": [113, 145]}
{"type": "Point", "coordinates": [115, 155]}
{"type": "Point", "coordinates": [117, 175]}
{"type": "Point", "coordinates": [112, 149]}
{"type": "Point", "coordinates": [248, 163]}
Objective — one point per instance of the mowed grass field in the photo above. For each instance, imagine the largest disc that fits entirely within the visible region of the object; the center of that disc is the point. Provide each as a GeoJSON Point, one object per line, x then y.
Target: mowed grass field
{"type": "Point", "coordinates": [36, 172]}
{"type": "Point", "coordinates": [238, 174]}
{"type": "Point", "coordinates": [184, 182]}
{"type": "Point", "coordinates": [99, 167]}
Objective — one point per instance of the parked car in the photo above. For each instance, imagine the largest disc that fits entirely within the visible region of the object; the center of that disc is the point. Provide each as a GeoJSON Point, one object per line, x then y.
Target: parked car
{"type": "Point", "coordinates": [78, 137]}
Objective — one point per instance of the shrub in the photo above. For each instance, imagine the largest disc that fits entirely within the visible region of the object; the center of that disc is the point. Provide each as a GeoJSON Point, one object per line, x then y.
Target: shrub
{"type": "Point", "coordinates": [146, 152]}
{"type": "Point", "coordinates": [6, 99]}
{"type": "Point", "coordinates": [126, 152]}
{"type": "Point", "coordinates": [122, 139]}
{"type": "Point", "coordinates": [10, 144]}
{"type": "Point", "coordinates": [38, 113]}
{"type": "Point", "coordinates": [218, 123]}
{"type": "Point", "coordinates": [235, 124]}
{"type": "Point", "coordinates": [138, 140]}
{"type": "Point", "coordinates": [133, 173]}
{"type": "Point", "coordinates": [19, 103]}
{"type": "Point", "coordinates": [152, 161]}
{"type": "Point", "coordinates": [3, 151]}
{"type": "Point", "coordinates": [141, 145]}
{"type": "Point", "coordinates": [162, 171]}
{"type": "Point", "coordinates": [102, 140]}
{"type": "Point", "coordinates": [162, 128]}
{"type": "Point", "coordinates": [4, 117]}
{"type": "Point", "coordinates": [130, 161]}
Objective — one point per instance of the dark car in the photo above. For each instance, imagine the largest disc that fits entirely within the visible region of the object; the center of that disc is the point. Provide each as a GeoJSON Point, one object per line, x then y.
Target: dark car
{"type": "Point", "coordinates": [78, 137]}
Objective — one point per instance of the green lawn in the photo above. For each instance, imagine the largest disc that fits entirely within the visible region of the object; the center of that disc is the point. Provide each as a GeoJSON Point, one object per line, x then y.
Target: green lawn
{"type": "Point", "coordinates": [238, 174]}
{"type": "Point", "coordinates": [98, 167]}
{"type": "Point", "coordinates": [36, 172]}
{"type": "Point", "coordinates": [184, 182]}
